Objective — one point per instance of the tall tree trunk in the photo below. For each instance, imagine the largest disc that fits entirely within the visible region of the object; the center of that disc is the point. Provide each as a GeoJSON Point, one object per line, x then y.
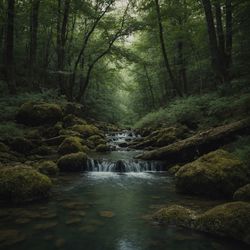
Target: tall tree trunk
{"type": "Point", "coordinates": [229, 32]}
{"type": "Point", "coordinates": [33, 41]}
{"type": "Point", "coordinates": [164, 52]}
{"type": "Point", "coordinates": [9, 47]}
{"type": "Point", "coordinates": [150, 87]}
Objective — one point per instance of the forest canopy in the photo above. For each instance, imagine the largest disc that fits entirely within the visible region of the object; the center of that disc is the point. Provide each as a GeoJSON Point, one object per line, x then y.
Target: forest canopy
{"type": "Point", "coordinates": [123, 59]}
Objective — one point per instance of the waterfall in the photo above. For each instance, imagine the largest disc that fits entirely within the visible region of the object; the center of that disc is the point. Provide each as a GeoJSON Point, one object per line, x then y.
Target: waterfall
{"type": "Point", "coordinates": [122, 166]}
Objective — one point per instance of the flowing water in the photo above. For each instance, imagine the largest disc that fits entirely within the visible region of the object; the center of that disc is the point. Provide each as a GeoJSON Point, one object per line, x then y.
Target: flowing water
{"type": "Point", "coordinates": [106, 211]}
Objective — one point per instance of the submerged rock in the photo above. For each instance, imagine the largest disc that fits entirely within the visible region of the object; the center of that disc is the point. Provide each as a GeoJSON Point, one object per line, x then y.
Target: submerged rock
{"type": "Point", "coordinates": [217, 174]}
{"type": "Point", "coordinates": [73, 162]}
{"type": "Point", "coordinates": [21, 184]}
{"type": "Point", "coordinates": [243, 193]}
{"type": "Point", "coordinates": [33, 113]}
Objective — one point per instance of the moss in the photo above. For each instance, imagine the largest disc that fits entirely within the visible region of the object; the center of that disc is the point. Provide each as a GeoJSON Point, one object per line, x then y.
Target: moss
{"type": "Point", "coordinates": [48, 168]}
{"type": "Point", "coordinates": [33, 113]}
{"type": "Point", "coordinates": [176, 215]}
{"type": "Point", "coordinates": [243, 193]}
{"type": "Point", "coordinates": [71, 145]}
{"type": "Point", "coordinates": [43, 151]}
{"type": "Point", "coordinates": [173, 170]}
{"type": "Point", "coordinates": [102, 148]}
{"type": "Point", "coordinates": [72, 120]}
{"type": "Point", "coordinates": [230, 219]}
{"type": "Point", "coordinates": [216, 174]}
{"type": "Point", "coordinates": [21, 145]}
{"type": "Point", "coordinates": [73, 162]}
{"type": "Point", "coordinates": [86, 130]}
{"type": "Point", "coordinates": [3, 147]}
{"type": "Point", "coordinates": [21, 184]}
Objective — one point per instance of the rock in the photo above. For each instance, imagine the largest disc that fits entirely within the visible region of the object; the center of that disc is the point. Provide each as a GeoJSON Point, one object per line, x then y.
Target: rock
{"type": "Point", "coordinates": [55, 140]}
{"type": "Point", "coordinates": [175, 215]}
{"type": "Point", "coordinates": [72, 120]}
{"type": "Point", "coordinates": [21, 184]}
{"type": "Point", "coordinates": [45, 226]}
{"type": "Point", "coordinates": [73, 162]}
{"type": "Point", "coordinates": [48, 168]}
{"type": "Point", "coordinates": [72, 108]}
{"type": "Point", "coordinates": [188, 149]}
{"type": "Point", "coordinates": [230, 220]}
{"type": "Point", "coordinates": [71, 145]}
{"type": "Point", "coordinates": [43, 151]}
{"type": "Point", "coordinates": [11, 237]}
{"type": "Point", "coordinates": [86, 130]}
{"type": "Point", "coordinates": [21, 145]}
{"type": "Point", "coordinates": [123, 145]}
{"type": "Point", "coordinates": [3, 147]}
{"type": "Point", "coordinates": [217, 174]}
{"type": "Point", "coordinates": [106, 214]}
{"type": "Point", "coordinates": [120, 166]}
{"type": "Point", "coordinates": [243, 193]}
{"type": "Point", "coordinates": [102, 148]}
{"type": "Point", "coordinates": [173, 170]}
{"type": "Point", "coordinates": [34, 114]}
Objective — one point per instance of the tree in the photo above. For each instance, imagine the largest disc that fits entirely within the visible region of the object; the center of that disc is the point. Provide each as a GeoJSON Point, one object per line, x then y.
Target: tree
{"type": "Point", "coordinates": [9, 48]}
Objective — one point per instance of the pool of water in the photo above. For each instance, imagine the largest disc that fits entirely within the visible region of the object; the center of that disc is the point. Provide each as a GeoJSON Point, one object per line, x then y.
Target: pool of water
{"type": "Point", "coordinates": [105, 211]}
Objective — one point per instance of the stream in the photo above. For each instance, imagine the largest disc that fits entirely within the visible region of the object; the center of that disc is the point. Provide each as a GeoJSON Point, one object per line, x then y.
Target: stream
{"type": "Point", "coordinates": [107, 209]}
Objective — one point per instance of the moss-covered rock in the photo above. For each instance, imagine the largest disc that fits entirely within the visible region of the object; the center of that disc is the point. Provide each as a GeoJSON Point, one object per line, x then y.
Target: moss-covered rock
{"type": "Point", "coordinates": [217, 174]}
{"type": "Point", "coordinates": [173, 170]}
{"type": "Point", "coordinates": [48, 168]}
{"type": "Point", "coordinates": [243, 193]}
{"type": "Point", "coordinates": [72, 120]}
{"type": "Point", "coordinates": [43, 151]}
{"type": "Point", "coordinates": [32, 113]}
{"type": "Point", "coordinates": [175, 215]}
{"type": "Point", "coordinates": [86, 130]}
{"type": "Point", "coordinates": [230, 219]}
{"type": "Point", "coordinates": [73, 162]}
{"type": "Point", "coordinates": [3, 147]}
{"type": "Point", "coordinates": [21, 184]}
{"type": "Point", "coordinates": [71, 145]}
{"type": "Point", "coordinates": [102, 148]}
{"type": "Point", "coordinates": [21, 145]}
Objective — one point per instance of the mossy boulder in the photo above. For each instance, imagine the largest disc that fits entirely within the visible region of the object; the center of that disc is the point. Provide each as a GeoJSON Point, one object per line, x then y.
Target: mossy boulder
{"type": "Point", "coordinates": [3, 147]}
{"type": "Point", "coordinates": [173, 170]}
{"type": "Point", "coordinates": [72, 120]}
{"type": "Point", "coordinates": [21, 184]}
{"type": "Point", "coordinates": [243, 193]}
{"type": "Point", "coordinates": [48, 168]}
{"type": "Point", "coordinates": [86, 130]}
{"type": "Point", "coordinates": [34, 114]}
{"type": "Point", "coordinates": [102, 148]}
{"type": "Point", "coordinates": [217, 174]}
{"type": "Point", "coordinates": [71, 145]}
{"type": "Point", "coordinates": [73, 162]}
{"type": "Point", "coordinates": [230, 220]}
{"type": "Point", "coordinates": [175, 215]}
{"type": "Point", "coordinates": [21, 145]}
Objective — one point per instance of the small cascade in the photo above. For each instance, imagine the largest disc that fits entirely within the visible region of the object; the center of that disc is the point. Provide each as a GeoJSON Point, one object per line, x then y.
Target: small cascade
{"type": "Point", "coordinates": [94, 165]}
{"type": "Point", "coordinates": [119, 140]}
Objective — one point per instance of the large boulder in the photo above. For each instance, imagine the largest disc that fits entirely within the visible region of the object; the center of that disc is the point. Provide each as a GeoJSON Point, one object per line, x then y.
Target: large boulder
{"type": "Point", "coordinates": [72, 120]}
{"type": "Point", "coordinates": [229, 220]}
{"type": "Point", "coordinates": [217, 174]}
{"type": "Point", "coordinates": [86, 130]}
{"type": "Point", "coordinates": [102, 148]}
{"type": "Point", "coordinates": [243, 193]}
{"type": "Point", "coordinates": [71, 145]}
{"type": "Point", "coordinates": [22, 184]}
{"type": "Point", "coordinates": [48, 168]}
{"type": "Point", "coordinates": [21, 145]}
{"type": "Point", "coordinates": [34, 114]}
{"type": "Point", "coordinates": [75, 162]}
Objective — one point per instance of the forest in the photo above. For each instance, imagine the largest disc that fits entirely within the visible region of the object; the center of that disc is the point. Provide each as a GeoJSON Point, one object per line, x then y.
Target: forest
{"type": "Point", "coordinates": [124, 116]}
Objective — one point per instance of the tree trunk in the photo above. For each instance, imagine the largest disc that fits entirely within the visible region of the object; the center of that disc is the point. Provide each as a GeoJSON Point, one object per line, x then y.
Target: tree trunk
{"type": "Point", "coordinates": [164, 52]}
{"type": "Point", "coordinates": [229, 33]}
{"type": "Point", "coordinates": [150, 88]}
{"type": "Point", "coordinates": [9, 47]}
{"type": "Point", "coordinates": [33, 41]}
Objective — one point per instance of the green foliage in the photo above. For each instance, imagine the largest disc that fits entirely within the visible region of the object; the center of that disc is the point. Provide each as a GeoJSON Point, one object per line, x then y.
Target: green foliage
{"type": "Point", "coordinates": [202, 111]}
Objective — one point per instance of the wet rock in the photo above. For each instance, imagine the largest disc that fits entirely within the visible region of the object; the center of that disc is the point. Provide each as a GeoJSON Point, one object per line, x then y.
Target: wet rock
{"type": "Point", "coordinates": [3, 147]}
{"type": "Point", "coordinates": [48, 168]}
{"type": "Point", "coordinates": [59, 243]}
{"type": "Point", "coordinates": [32, 113]}
{"type": "Point", "coordinates": [243, 193]}
{"type": "Point", "coordinates": [173, 170]}
{"type": "Point", "coordinates": [123, 145]}
{"type": "Point", "coordinates": [73, 221]}
{"type": "Point", "coordinates": [10, 237]}
{"type": "Point", "coordinates": [73, 162]}
{"type": "Point", "coordinates": [23, 221]}
{"type": "Point", "coordinates": [21, 184]}
{"type": "Point", "coordinates": [217, 174]}
{"type": "Point", "coordinates": [120, 166]}
{"type": "Point", "coordinates": [86, 130]}
{"type": "Point", "coordinates": [102, 148]}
